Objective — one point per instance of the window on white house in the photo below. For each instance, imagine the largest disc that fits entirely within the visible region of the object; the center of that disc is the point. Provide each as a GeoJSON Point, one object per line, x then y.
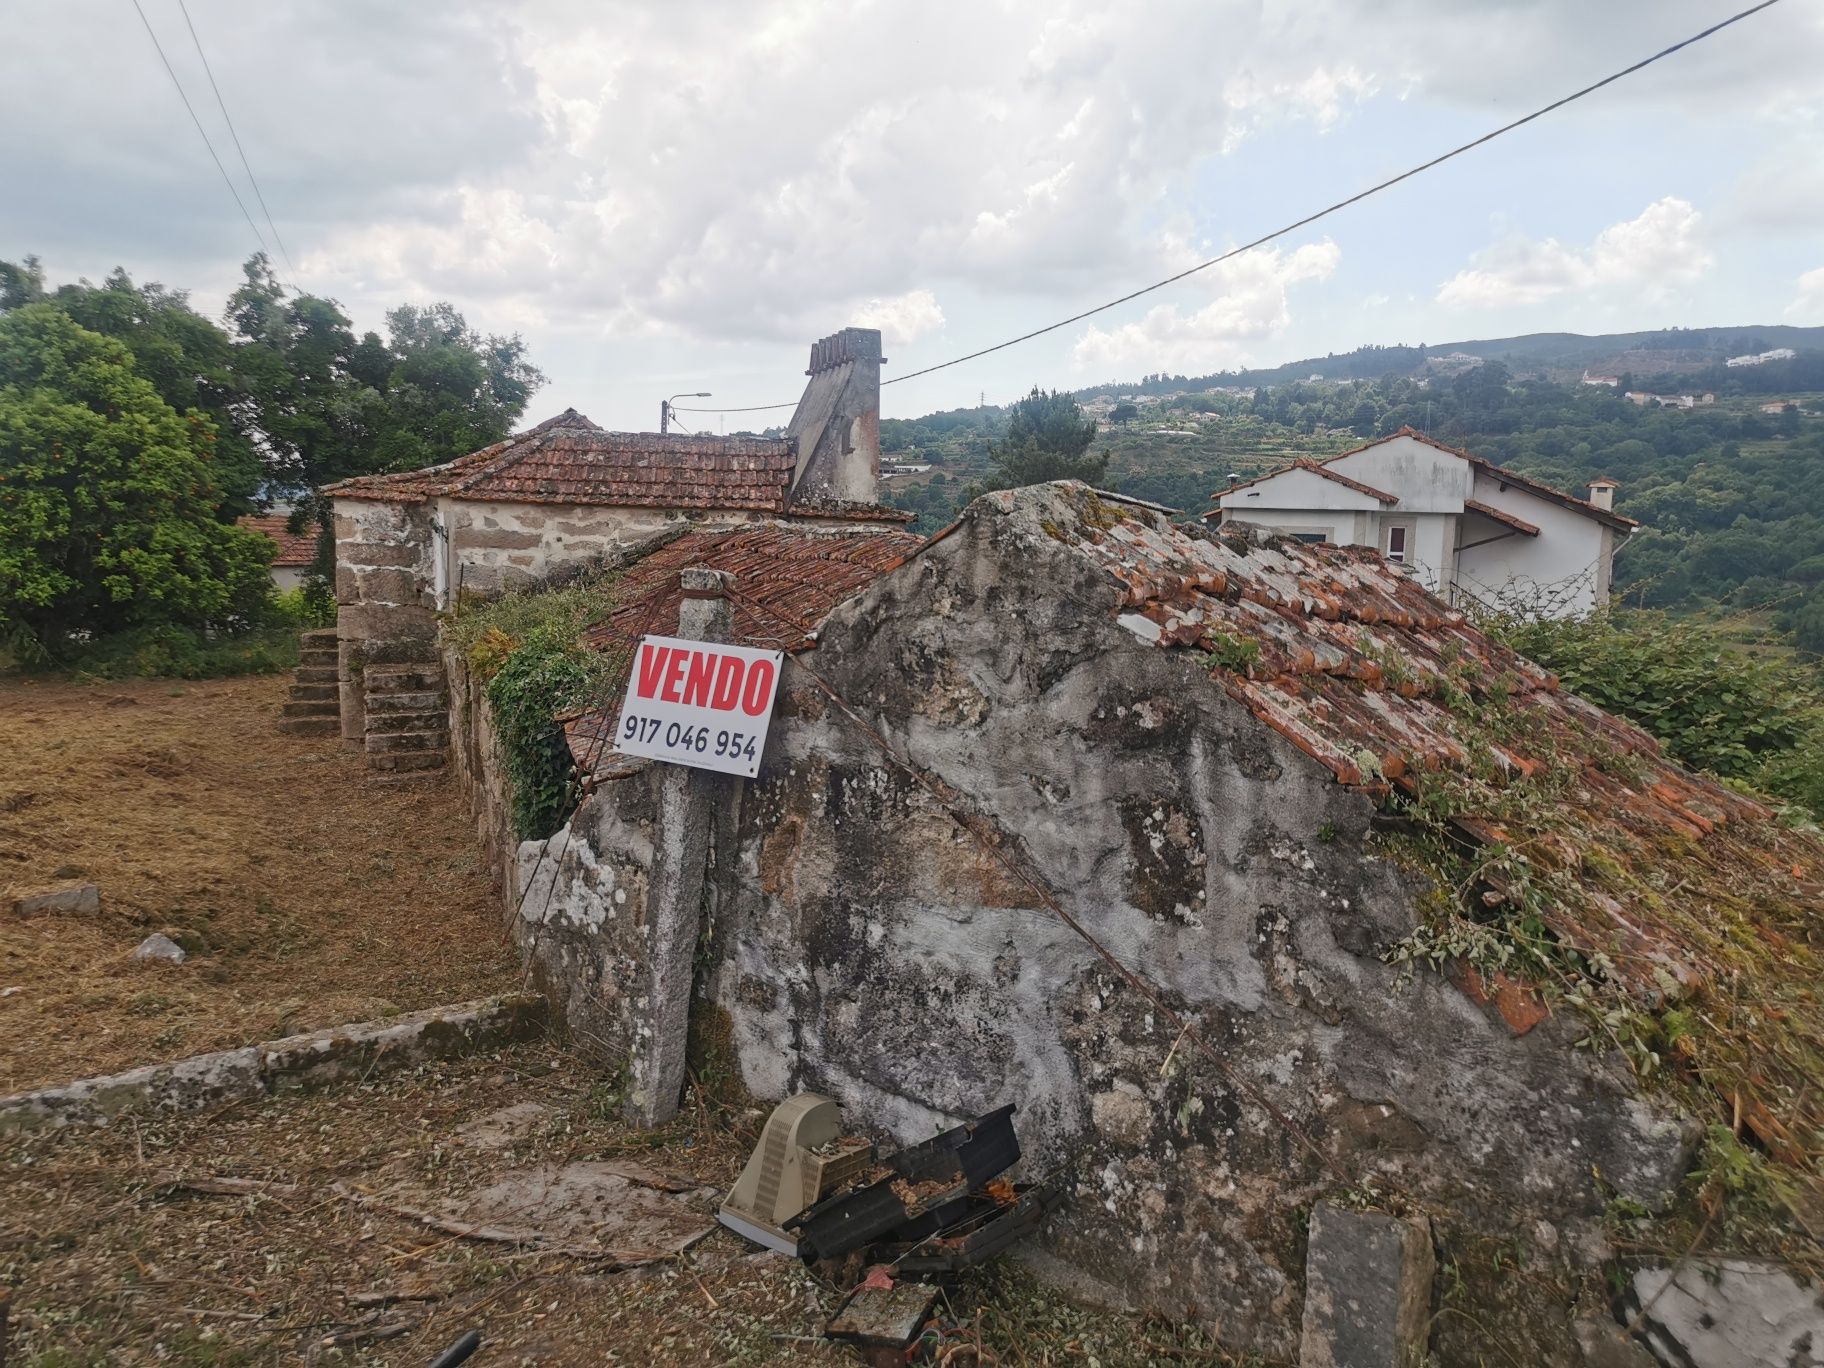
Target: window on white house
{"type": "Point", "coordinates": [1397, 535]}
{"type": "Point", "coordinates": [1311, 538]}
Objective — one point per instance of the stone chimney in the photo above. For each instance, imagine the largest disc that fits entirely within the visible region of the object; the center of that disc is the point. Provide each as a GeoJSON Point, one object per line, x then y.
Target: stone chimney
{"type": "Point", "coordinates": [1602, 492]}
{"type": "Point", "coordinates": [837, 424]}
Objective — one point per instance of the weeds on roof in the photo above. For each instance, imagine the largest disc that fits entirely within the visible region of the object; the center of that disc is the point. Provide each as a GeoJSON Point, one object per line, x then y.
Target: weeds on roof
{"type": "Point", "coordinates": [1695, 960]}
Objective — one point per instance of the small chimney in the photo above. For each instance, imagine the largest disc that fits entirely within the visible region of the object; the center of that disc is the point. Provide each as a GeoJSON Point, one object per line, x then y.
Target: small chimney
{"type": "Point", "coordinates": [1602, 492]}
{"type": "Point", "coordinates": [837, 423]}
{"type": "Point", "coordinates": [1234, 479]}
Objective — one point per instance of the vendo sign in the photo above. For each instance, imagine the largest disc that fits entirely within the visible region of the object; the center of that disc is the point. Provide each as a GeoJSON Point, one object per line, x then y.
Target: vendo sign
{"type": "Point", "coordinates": [699, 703]}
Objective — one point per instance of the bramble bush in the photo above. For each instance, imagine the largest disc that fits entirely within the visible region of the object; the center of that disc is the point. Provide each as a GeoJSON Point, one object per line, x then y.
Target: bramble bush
{"type": "Point", "coordinates": [1755, 719]}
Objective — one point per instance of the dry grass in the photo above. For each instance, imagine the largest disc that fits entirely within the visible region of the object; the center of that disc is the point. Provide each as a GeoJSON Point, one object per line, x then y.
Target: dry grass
{"type": "Point", "coordinates": [112, 1264]}
{"type": "Point", "coordinates": [307, 896]}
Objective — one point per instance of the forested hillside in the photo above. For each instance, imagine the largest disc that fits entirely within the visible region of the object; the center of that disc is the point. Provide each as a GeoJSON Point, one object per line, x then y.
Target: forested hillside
{"type": "Point", "coordinates": [1731, 497]}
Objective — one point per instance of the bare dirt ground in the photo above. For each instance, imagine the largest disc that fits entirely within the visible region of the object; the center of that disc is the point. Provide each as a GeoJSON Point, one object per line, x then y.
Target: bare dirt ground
{"type": "Point", "coordinates": [306, 895]}
{"type": "Point", "coordinates": [113, 1260]}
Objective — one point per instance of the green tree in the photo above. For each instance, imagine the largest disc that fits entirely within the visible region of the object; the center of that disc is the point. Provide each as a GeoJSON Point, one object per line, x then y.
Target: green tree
{"type": "Point", "coordinates": [1047, 438]}
{"type": "Point", "coordinates": [448, 389]}
{"type": "Point", "coordinates": [1123, 413]}
{"type": "Point", "coordinates": [107, 498]}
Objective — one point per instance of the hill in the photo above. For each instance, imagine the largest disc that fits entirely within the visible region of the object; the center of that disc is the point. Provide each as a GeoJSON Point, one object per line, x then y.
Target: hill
{"type": "Point", "coordinates": [1553, 355]}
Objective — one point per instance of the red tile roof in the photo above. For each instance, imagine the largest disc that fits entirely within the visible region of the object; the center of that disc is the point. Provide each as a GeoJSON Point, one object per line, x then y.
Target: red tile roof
{"type": "Point", "coordinates": [1390, 689]}
{"type": "Point", "coordinates": [1316, 468]}
{"type": "Point", "coordinates": [1501, 516]}
{"type": "Point", "coordinates": [296, 549]}
{"type": "Point", "coordinates": [569, 460]}
{"type": "Point", "coordinates": [786, 581]}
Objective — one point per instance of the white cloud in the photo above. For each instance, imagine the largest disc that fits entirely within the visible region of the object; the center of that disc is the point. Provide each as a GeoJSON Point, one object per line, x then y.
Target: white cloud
{"type": "Point", "coordinates": [756, 172]}
{"type": "Point", "coordinates": [1810, 303]}
{"type": "Point", "coordinates": [903, 319]}
{"type": "Point", "coordinates": [1249, 304]}
{"type": "Point", "coordinates": [1661, 248]}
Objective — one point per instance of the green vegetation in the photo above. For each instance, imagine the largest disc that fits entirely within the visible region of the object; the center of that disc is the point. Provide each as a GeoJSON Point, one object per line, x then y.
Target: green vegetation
{"type": "Point", "coordinates": [108, 500]}
{"type": "Point", "coordinates": [527, 649]}
{"type": "Point", "coordinates": [133, 431]}
{"type": "Point", "coordinates": [1046, 438]}
{"type": "Point", "coordinates": [1757, 719]}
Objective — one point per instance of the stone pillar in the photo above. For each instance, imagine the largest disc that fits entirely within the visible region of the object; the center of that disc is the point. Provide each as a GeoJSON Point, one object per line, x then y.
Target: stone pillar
{"type": "Point", "coordinates": [686, 812]}
{"type": "Point", "coordinates": [1367, 1290]}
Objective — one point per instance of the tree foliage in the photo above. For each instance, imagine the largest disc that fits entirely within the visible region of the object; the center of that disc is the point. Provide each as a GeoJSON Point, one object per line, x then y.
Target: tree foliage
{"type": "Point", "coordinates": [1047, 438]}
{"type": "Point", "coordinates": [108, 500]}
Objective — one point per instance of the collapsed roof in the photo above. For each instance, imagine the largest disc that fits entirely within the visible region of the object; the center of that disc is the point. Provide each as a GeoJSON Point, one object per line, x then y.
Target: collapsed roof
{"type": "Point", "coordinates": [1663, 884]}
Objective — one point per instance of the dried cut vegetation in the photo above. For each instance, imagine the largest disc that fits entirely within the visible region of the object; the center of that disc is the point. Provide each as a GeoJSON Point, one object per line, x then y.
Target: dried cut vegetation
{"type": "Point", "coordinates": [125, 1246]}
{"type": "Point", "coordinates": [306, 896]}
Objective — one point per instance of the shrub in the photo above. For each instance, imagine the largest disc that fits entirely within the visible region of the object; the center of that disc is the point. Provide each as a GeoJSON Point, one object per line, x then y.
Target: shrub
{"type": "Point", "coordinates": [1757, 719]}
{"type": "Point", "coordinates": [184, 653]}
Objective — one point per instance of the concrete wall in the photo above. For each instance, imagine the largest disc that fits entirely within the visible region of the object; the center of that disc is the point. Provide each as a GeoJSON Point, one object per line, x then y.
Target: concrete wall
{"type": "Point", "coordinates": [1427, 480]}
{"type": "Point", "coordinates": [865, 946]}
{"type": "Point", "coordinates": [1563, 572]}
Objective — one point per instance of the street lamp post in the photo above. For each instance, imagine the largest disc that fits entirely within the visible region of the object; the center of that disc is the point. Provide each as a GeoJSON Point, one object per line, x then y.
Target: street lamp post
{"type": "Point", "coordinates": [665, 407]}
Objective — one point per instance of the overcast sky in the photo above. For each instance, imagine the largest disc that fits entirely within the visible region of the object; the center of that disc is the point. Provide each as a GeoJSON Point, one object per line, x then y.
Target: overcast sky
{"type": "Point", "coordinates": [682, 196]}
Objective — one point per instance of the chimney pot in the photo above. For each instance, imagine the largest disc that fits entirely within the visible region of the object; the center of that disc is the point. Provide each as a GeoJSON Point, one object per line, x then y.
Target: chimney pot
{"type": "Point", "coordinates": [1602, 492]}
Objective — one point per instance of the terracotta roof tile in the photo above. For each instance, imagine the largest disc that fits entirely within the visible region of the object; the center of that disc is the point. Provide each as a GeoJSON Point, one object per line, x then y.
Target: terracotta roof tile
{"type": "Point", "coordinates": [1380, 682]}
{"type": "Point", "coordinates": [569, 460]}
{"type": "Point", "coordinates": [787, 581]}
{"type": "Point", "coordinates": [296, 549]}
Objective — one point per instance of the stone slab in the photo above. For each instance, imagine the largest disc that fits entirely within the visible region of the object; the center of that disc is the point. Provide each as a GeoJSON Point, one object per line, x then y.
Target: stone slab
{"type": "Point", "coordinates": [1367, 1290]}
{"type": "Point", "coordinates": [314, 1058]}
{"type": "Point", "coordinates": [67, 900]}
{"type": "Point", "coordinates": [1729, 1313]}
{"type": "Point", "coordinates": [188, 1085]}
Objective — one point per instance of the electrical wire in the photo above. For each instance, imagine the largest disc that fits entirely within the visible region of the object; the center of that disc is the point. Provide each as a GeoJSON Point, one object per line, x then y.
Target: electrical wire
{"type": "Point", "coordinates": [169, 71]}
{"type": "Point", "coordinates": [245, 165]}
{"type": "Point", "coordinates": [1311, 218]}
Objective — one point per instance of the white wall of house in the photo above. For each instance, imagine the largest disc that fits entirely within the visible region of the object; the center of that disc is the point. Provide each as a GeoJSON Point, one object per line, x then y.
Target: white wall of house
{"type": "Point", "coordinates": [289, 577]}
{"type": "Point", "coordinates": [1425, 479]}
{"type": "Point", "coordinates": [1562, 572]}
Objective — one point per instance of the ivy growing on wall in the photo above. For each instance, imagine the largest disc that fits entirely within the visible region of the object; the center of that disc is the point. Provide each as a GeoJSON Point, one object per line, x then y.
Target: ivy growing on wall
{"type": "Point", "coordinates": [526, 649]}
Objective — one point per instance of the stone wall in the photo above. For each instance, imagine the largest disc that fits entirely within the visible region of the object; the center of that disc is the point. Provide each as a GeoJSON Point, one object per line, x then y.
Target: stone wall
{"type": "Point", "coordinates": [386, 604]}
{"type": "Point", "coordinates": [496, 546]}
{"type": "Point", "coordinates": [866, 946]}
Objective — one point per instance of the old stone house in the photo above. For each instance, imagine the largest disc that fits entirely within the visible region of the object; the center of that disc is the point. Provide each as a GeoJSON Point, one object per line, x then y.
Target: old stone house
{"type": "Point", "coordinates": [566, 493]}
{"type": "Point", "coordinates": [293, 552]}
{"type": "Point", "coordinates": [1067, 775]}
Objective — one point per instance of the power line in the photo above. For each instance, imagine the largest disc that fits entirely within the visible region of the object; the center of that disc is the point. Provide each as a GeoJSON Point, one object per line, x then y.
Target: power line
{"type": "Point", "coordinates": [751, 408]}
{"type": "Point", "coordinates": [245, 166]}
{"type": "Point", "coordinates": [199, 125]}
{"type": "Point", "coordinates": [1325, 212]}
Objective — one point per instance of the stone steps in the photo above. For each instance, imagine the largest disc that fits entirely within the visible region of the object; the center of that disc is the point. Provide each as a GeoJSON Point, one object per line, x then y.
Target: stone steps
{"type": "Point", "coordinates": [385, 679]}
{"type": "Point", "coordinates": [311, 726]}
{"type": "Point", "coordinates": [406, 732]}
{"type": "Point", "coordinates": [310, 707]}
{"type": "Point", "coordinates": [313, 709]}
{"type": "Point", "coordinates": [403, 761]}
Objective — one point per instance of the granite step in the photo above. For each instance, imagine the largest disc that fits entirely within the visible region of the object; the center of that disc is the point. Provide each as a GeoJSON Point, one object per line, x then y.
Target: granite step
{"type": "Point", "coordinates": [310, 726]}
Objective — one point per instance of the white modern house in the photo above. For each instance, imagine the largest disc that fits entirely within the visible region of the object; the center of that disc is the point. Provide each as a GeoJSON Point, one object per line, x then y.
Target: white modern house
{"type": "Point", "coordinates": [1470, 530]}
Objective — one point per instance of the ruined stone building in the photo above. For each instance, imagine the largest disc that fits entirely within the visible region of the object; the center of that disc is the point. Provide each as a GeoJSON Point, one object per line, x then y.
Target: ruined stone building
{"type": "Point", "coordinates": [1251, 872]}
{"type": "Point", "coordinates": [563, 494]}
{"type": "Point", "coordinates": [1232, 761]}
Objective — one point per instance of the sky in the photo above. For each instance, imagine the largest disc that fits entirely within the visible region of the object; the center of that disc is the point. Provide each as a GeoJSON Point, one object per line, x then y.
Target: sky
{"type": "Point", "coordinates": [675, 197]}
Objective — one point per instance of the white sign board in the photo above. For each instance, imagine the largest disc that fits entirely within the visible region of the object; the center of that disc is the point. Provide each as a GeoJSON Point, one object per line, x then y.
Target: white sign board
{"type": "Point", "coordinates": [699, 703]}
